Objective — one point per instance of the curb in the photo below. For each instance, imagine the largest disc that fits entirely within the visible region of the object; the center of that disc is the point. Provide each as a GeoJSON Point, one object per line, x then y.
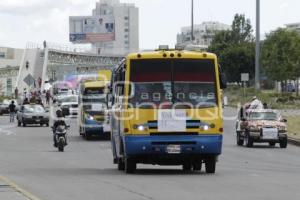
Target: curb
{"type": "Point", "coordinates": [293, 141]}
{"type": "Point", "coordinates": [17, 188]}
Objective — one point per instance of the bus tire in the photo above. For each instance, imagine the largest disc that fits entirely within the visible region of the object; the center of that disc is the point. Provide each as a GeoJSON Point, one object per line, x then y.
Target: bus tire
{"type": "Point", "coordinates": [210, 165]}
{"type": "Point", "coordinates": [197, 166]}
{"type": "Point", "coordinates": [272, 144]}
{"type": "Point", "coordinates": [121, 165]}
{"type": "Point", "coordinates": [187, 167]}
{"type": "Point", "coordinates": [130, 166]}
{"type": "Point", "coordinates": [87, 136]}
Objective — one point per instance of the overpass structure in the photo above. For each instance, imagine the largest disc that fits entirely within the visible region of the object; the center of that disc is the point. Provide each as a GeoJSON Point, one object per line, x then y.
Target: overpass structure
{"type": "Point", "coordinates": [40, 64]}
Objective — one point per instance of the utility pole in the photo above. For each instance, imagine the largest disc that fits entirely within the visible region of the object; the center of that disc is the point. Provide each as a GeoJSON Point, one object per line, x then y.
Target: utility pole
{"type": "Point", "coordinates": [192, 21]}
{"type": "Point", "coordinates": [257, 48]}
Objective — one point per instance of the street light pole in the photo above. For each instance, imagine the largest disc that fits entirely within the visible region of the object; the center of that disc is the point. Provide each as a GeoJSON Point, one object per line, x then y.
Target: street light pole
{"type": "Point", "coordinates": [257, 47]}
{"type": "Point", "coordinates": [192, 21]}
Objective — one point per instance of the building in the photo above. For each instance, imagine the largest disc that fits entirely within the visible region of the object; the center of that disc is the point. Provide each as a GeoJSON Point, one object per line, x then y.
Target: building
{"type": "Point", "coordinates": [113, 28]}
{"type": "Point", "coordinates": [10, 60]}
{"type": "Point", "coordinates": [294, 26]}
{"type": "Point", "coordinates": [203, 34]}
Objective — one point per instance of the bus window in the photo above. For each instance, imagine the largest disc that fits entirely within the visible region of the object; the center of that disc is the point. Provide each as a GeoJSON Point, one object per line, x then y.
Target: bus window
{"type": "Point", "coordinates": [152, 82]}
{"type": "Point", "coordinates": [186, 81]}
{"type": "Point", "coordinates": [195, 82]}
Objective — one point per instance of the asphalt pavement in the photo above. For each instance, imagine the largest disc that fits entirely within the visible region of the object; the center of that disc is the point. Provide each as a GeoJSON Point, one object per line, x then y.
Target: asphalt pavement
{"type": "Point", "coordinates": [31, 168]}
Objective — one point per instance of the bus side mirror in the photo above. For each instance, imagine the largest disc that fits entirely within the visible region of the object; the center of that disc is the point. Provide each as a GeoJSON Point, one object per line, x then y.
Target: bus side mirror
{"type": "Point", "coordinates": [223, 81]}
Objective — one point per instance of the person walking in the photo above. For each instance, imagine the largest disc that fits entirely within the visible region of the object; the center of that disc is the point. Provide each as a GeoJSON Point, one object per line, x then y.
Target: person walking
{"type": "Point", "coordinates": [12, 110]}
{"type": "Point", "coordinates": [16, 93]}
{"type": "Point", "coordinates": [48, 97]}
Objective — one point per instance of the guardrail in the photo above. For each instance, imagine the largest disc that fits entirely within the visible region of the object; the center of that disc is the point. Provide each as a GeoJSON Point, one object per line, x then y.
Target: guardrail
{"type": "Point", "coordinates": [60, 47]}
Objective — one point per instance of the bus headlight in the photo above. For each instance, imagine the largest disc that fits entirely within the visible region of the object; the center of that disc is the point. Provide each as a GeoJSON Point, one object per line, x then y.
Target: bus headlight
{"type": "Point", "coordinates": [90, 117]}
{"type": "Point", "coordinates": [204, 127]}
{"type": "Point", "coordinates": [140, 127]}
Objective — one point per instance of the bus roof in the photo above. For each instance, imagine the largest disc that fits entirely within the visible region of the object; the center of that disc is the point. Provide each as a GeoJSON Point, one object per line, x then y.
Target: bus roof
{"type": "Point", "coordinates": [95, 84]}
{"type": "Point", "coordinates": [104, 75]}
{"type": "Point", "coordinates": [172, 54]}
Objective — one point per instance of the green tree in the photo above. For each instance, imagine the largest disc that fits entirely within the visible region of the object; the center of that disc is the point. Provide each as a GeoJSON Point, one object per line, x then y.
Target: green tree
{"type": "Point", "coordinates": [241, 29]}
{"type": "Point", "coordinates": [281, 55]}
{"type": "Point", "coordinates": [235, 49]}
{"type": "Point", "coordinates": [237, 59]}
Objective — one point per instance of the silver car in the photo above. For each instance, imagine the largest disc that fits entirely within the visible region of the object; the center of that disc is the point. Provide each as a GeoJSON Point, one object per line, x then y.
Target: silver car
{"type": "Point", "coordinates": [32, 114]}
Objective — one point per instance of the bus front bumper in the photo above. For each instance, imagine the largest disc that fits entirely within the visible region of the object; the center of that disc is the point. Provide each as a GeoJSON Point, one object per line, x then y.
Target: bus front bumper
{"type": "Point", "coordinates": [188, 144]}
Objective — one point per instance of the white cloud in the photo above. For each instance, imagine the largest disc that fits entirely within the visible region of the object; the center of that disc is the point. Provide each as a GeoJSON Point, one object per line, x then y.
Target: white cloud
{"type": "Point", "coordinates": [20, 3]}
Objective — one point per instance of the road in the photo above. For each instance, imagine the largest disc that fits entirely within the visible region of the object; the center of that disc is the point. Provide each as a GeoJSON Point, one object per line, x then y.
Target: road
{"type": "Point", "coordinates": [85, 170]}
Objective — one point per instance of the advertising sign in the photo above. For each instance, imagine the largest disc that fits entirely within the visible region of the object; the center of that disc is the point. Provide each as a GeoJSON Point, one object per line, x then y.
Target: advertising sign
{"type": "Point", "coordinates": [91, 29]}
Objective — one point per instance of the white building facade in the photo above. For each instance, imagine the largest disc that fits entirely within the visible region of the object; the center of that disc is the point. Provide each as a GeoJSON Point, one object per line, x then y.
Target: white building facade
{"type": "Point", "coordinates": [113, 28]}
{"type": "Point", "coordinates": [10, 60]}
{"type": "Point", "coordinates": [294, 27]}
{"type": "Point", "coordinates": [203, 34]}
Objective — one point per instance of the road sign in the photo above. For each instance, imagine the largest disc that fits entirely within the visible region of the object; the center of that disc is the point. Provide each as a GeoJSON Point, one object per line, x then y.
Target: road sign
{"type": "Point", "coordinates": [29, 80]}
{"type": "Point", "coordinates": [245, 77]}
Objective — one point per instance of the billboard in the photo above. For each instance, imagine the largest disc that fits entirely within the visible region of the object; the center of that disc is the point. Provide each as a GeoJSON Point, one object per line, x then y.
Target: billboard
{"type": "Point", "coordinates": [91, 29]}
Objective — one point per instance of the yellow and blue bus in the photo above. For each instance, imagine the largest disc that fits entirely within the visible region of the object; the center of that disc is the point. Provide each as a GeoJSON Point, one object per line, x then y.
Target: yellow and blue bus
{"type": "Point", "coordinates": [93, 106]}
{"type": "Point", "coordinates": [167, 110]}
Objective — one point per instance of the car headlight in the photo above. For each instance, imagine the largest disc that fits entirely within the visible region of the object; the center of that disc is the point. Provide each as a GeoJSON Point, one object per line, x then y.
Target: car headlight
{"type": "Point", "coordinates": [255, 128]}
{"type": "Point", "coordinates": [282, 128]}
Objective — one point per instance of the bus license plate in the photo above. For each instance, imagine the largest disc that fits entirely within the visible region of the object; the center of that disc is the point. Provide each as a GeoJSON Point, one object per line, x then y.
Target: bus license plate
{"type": "Point", "coordinates": [173, 149]}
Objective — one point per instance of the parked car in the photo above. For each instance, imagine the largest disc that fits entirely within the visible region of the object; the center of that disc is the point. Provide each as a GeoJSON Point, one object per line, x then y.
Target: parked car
{"type": "Point", "coordinates": [4, 106]}
{"type": "Point", "coordinates": [69, 105]}
{"type": "Point", "coordinates": [32, 114]}
{"type": "Point", "coordinates": [261, 126]}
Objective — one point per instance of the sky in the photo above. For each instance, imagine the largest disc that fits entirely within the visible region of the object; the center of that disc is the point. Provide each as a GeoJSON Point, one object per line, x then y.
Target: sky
{"type": "Point", "coordinates": [160, 20]}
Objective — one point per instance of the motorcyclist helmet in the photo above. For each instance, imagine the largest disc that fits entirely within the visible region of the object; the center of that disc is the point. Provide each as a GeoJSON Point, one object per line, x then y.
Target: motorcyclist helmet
{"type": "Point", "coordinates": [59, 113]}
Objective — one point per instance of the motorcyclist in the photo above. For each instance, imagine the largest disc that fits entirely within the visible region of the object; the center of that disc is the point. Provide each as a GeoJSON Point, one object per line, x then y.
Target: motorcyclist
{"type": "Point", "coordinates": [60, 120]}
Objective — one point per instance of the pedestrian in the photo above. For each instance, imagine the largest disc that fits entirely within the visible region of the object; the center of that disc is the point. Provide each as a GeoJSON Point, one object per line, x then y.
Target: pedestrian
{"type": "Point", "coordinates": [26, 101]}
{"type": "Point", "coordinates": [16, 93]}
{"type": "Point", "coordinates": [48, 97]}
{"type": "Point", "coordinates": [12, 110]}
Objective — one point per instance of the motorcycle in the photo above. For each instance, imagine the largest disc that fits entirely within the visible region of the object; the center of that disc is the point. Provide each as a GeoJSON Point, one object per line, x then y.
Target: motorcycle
{"type": "Point", "coordinates": [60, 134]}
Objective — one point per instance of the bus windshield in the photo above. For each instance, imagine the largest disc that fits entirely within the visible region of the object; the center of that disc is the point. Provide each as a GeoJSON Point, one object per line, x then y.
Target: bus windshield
{"type": "Point", "coordinates": [93, 91]}
{"type": "Point", "coordinates": [181, 81]}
